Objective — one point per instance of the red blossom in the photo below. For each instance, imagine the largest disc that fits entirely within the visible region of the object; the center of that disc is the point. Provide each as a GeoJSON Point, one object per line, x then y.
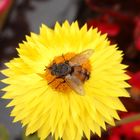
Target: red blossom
{"type": "Point", "coordinates": [129, 131]}
{"type": "Point", "coordinates": [4, 5]}
{"type": "Point", "coordinates": [112, 10]}
{"type": "Point", "coordinates": [135, 80]}
{"type": "Point", "coordinates": [137, 33]}
{"type": "Point", "coordinates": [111, 29]}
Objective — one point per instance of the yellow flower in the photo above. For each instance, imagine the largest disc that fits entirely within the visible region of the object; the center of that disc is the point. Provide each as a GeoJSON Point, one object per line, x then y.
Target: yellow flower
{"type": "Point", "coordinates": [51, 106]}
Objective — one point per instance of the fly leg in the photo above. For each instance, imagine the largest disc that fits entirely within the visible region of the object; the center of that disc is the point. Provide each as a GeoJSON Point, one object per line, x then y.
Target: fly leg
{"type": "Point", "coordinates": [60, 84]}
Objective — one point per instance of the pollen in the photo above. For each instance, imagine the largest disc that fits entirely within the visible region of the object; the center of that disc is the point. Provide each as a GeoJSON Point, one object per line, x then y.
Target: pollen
{"type": "Point", "coordinates": [58, 83]}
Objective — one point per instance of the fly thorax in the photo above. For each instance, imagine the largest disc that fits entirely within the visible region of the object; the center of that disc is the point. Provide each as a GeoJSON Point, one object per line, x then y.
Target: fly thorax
{"type": "Point", "coordinates": [60, 69]}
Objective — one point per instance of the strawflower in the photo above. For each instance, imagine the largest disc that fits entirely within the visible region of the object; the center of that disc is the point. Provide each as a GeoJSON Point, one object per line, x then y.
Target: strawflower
{"type": "Point", "coordinates": [56, 91]}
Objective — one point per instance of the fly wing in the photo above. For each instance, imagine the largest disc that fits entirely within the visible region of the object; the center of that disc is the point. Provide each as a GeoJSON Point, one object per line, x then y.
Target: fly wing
{"type": "Point", "coordinates": [75, 84]}
{"type": "Point", "coordinates": [80, 58]}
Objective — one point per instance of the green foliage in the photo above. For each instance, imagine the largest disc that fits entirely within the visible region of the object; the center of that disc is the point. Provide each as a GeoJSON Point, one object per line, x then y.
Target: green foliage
{"type": "Point", "coordinates": [4, 135]}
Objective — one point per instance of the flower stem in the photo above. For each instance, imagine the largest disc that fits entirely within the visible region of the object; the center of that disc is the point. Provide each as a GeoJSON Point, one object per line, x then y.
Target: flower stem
{"type": "Point", "coordinates": [128, 119]}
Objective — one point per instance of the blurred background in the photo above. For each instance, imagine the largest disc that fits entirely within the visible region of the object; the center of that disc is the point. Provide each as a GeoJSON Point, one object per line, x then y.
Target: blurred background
{"type": "Point", "coordinates": [119, 18]}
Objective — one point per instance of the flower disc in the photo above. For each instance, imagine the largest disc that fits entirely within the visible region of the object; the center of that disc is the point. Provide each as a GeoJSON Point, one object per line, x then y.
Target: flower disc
{"type": "Point", "coordinates": [63, 113]}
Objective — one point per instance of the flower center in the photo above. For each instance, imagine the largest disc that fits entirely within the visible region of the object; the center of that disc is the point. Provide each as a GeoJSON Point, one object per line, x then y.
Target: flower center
{"type": "Point", "coordinates": [57, 70]}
